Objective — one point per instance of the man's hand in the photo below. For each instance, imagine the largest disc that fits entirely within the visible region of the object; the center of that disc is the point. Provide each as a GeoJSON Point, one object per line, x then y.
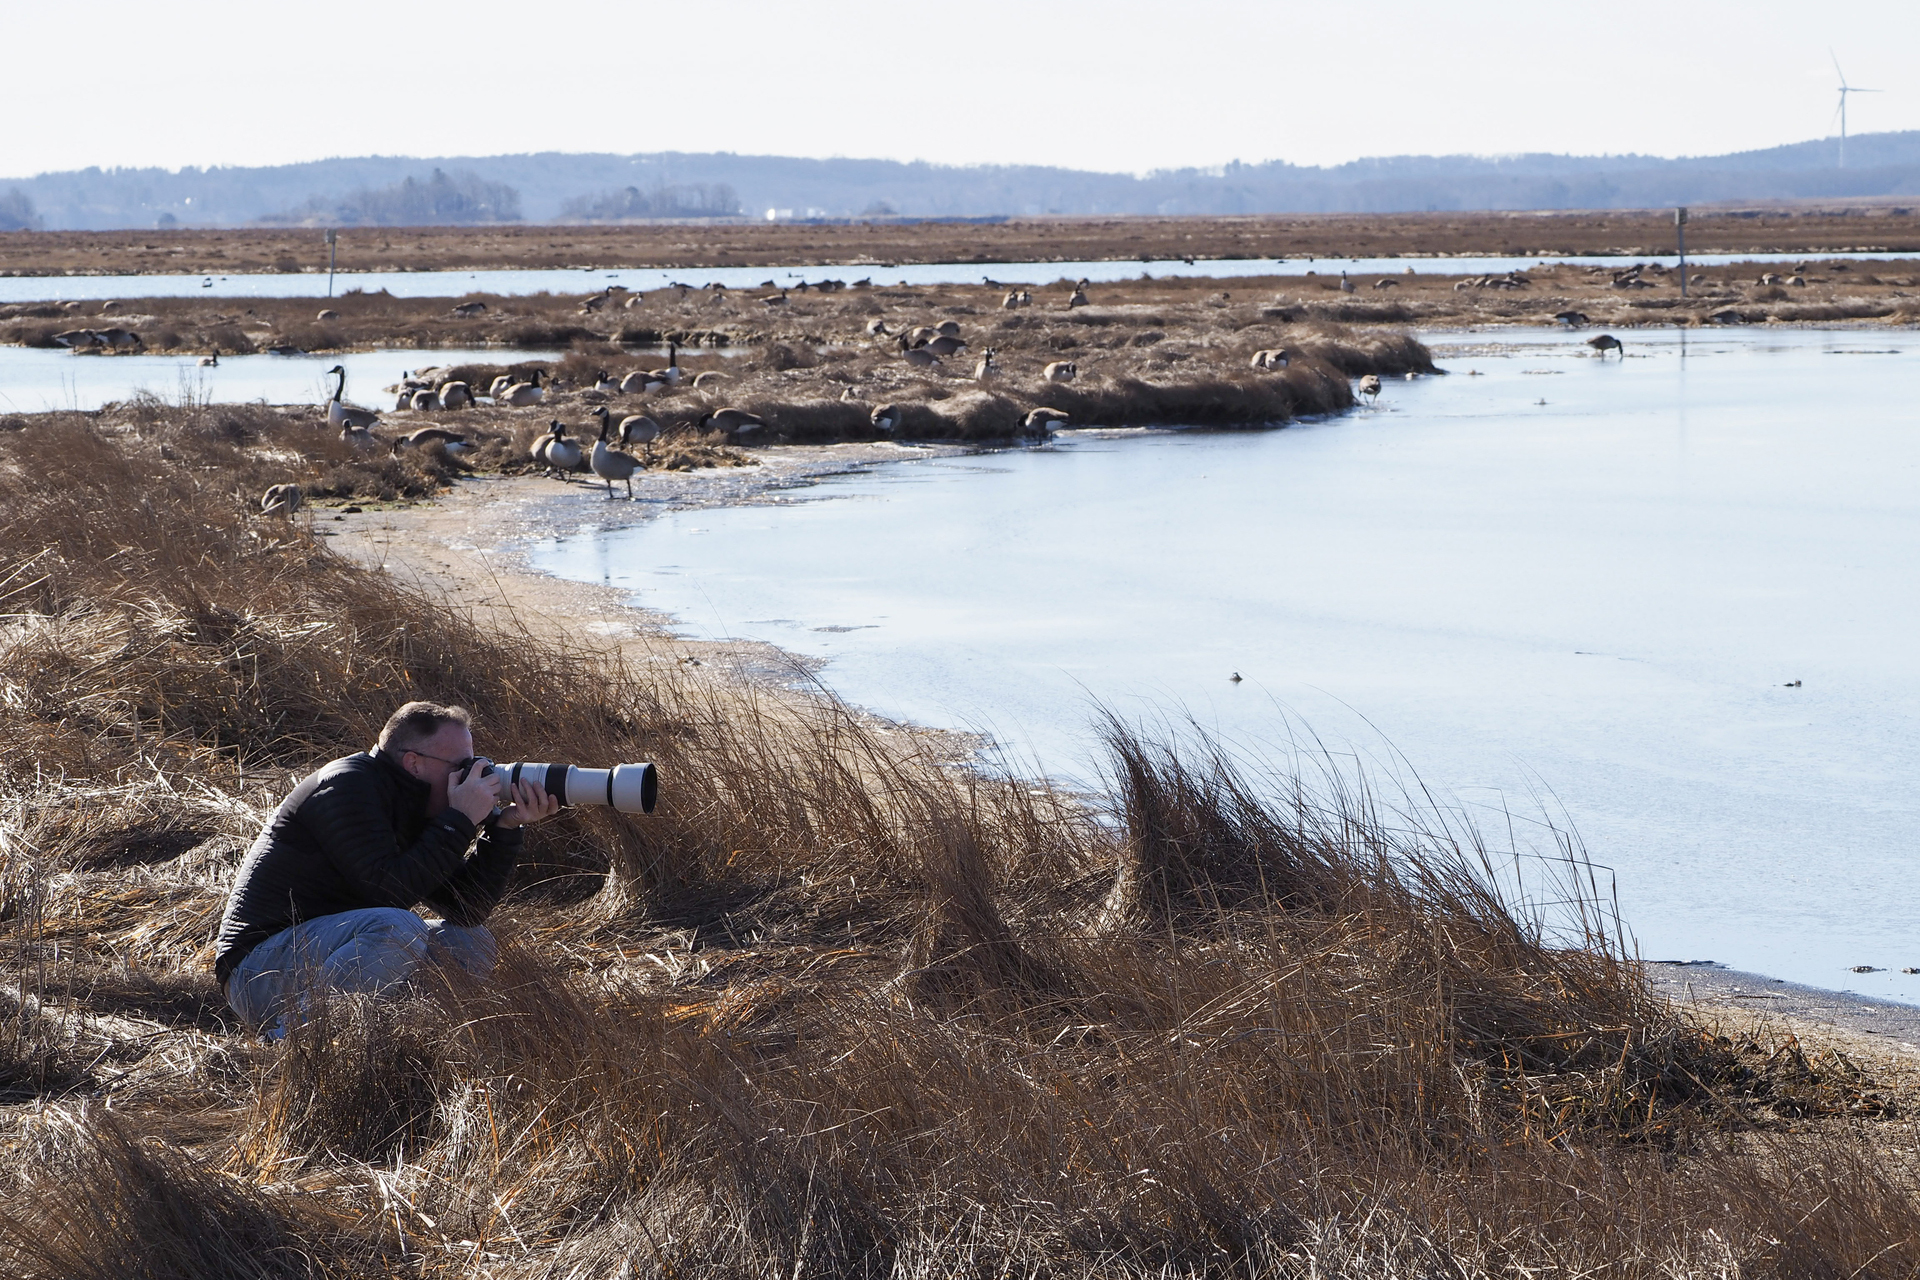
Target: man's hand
{"type": "Point", "coordinates": [472, 795]}
{"type": "Point", "coordinates": [527, 803]}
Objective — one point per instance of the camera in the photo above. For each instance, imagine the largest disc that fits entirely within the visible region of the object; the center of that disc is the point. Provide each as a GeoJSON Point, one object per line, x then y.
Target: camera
{"type": "Point", "coordinates": [628, 788]}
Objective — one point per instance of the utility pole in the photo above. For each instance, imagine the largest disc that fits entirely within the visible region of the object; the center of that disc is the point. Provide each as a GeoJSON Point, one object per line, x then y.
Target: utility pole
{"type": "Point", "coordinates": [333, 238]}
{"type": "Point", "coordinates": [1680, 234]}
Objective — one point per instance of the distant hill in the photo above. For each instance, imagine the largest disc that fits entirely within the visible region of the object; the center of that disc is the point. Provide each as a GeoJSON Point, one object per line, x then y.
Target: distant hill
{"type": "Point", "coordinates": [554, 186]}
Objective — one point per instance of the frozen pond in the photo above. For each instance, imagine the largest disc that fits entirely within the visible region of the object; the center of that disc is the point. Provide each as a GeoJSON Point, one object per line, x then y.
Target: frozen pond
{"type": "Point", "coordinates": [449, 284]}
{"type": "Point", "coordinates": [33, 379]}
{"type": "Point", "coordinates": [1674, 595]}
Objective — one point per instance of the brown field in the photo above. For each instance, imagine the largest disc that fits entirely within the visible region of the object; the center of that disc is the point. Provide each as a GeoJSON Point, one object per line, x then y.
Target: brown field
{"type": "Point", "coordinates": [1773, 229]}
{"type": "Point", "coordinates": [838, 1009]}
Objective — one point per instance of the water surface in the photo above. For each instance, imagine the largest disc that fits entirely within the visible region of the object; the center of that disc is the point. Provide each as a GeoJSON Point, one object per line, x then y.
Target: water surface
{"type": "Point", "coordinates": [35, 379]}
{"type": "Point", "coordinates": [1675, 598]}
{"type": "Point", "coordinates": [450, 284]}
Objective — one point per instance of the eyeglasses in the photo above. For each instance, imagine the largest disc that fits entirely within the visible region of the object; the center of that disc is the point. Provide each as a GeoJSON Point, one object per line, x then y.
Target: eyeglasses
{"type": "Point", "coordinates": [466, 763]}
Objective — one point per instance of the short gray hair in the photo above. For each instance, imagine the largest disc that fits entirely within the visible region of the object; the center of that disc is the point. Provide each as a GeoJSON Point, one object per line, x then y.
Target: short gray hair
{"type": "Point", "coordinates": [414, 723]}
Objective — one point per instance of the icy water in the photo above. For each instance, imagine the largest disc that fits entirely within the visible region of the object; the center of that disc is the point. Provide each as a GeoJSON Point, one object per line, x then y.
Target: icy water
{"type": "Point", "coordinates": [33, 379]}
{"type": "Point", "coordinates": [1674, 595]}
{"type": "Point", "coordinates": [448, 284]}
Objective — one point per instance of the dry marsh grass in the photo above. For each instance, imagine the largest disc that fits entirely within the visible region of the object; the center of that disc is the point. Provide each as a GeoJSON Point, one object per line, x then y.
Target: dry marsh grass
{"type": "Point", "coordinates": [1812, 229]}
{"type": "Point", "coordinates": [838, 1009]}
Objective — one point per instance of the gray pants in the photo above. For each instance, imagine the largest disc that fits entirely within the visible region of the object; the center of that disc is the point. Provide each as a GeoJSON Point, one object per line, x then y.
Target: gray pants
{"type": "Point", "coordinates": [370, 951]}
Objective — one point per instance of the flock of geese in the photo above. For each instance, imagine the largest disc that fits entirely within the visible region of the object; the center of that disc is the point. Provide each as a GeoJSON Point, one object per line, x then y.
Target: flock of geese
{"type": "Point", "coordinates": [922, 347]}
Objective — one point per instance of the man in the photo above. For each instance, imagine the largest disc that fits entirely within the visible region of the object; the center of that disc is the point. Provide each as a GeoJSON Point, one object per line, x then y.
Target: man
{"type": "Point", "coordinates": [323, 896]}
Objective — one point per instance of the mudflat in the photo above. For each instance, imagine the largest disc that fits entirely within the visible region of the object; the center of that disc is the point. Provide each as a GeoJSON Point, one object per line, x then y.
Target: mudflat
{"type": "Point", "coordinates": [1630, 233]}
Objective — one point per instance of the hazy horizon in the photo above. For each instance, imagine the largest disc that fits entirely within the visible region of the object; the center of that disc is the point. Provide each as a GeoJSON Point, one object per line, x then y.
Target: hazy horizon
{"type": "Point", "coordinates": [1489, 157]}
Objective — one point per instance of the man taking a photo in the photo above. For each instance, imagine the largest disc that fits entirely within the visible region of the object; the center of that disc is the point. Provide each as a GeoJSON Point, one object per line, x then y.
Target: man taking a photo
{"type": "Point", "coordinates": [323, 897]}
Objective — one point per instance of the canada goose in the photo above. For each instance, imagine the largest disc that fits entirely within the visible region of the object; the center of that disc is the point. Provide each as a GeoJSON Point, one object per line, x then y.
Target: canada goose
{"type": "Point", "coordinates": [778, 299]}
{"type": "Point", "coordinates": [736, 422]}
{"type": "Point", "coordinates": [1272, 358]}
{"type": "Point", "coordinates": [1572, 319]}
{"type": "Point", "coordinates": [425, 401]}
{"type": "Point", "coordinates": [596, 301]}
{"type": "Point", "coordinates": [559, 454]}
{"type": "Point", "coordinates": [638, 428]}
{"type": "Point", "coordinates": [522, 394]}
{"type": "Point", "coordinates": [611, 464]}
{"type": "Point", "coordinates": [358, 437]}
{"type": "Point", "coordinates": [671, 374]}
{"type": "Point", "coordinates": [456, 395]}
{"type": "Point", "coordinates": [983, 368]}
{"type": "Point", "coordinates": [640, 381]}
{"type": "Point", "coordinates": [281, 500]}
{"type": "Point", "coordinates": [499, 384]}
{"type": "Point", "coordinates": [121, 338]}
{"type": "Point", "coordinates": [455, 443]}
{"type": "Point", "coordinates": [1607, 342]}
{"type": "Point", "coordinates": [404, 400]}
{"type": "Point", "coordinates": [876, 328]}
{"type": "Point", "coordinates": [466, 309]}
{"type": "Point", "coordinates": [1026, 298]}
{"type": "Point", "coordinates": [1044, 421]}
{"type": "Point", "coordinates": [919, 357]}
{"type": "Point", "coordinates": [328, 314]}
{"type": "Point", "coordinates": [886, 418]}
{"type": "Point", "coordinates": [1370, 387]}
{"type": "Point", "coordinates": [710, 377]}
{"type": "Point", "coordinates": [604, 382]}
{"type": "Point", "coordinates": [78, 338]}
{"type": "Point", "coordinates": [1346, 285]}
{"type": "Point", "coordinates": [1078, 298]}
{"type": "Point", "coordinates": [1386, 284]}
{"type": "Point", "coordinates": [946, 345]}
{"type": "Point", "coordinates": [948, 328]}
{"type": "Point", "coordinates": [346, 415]}
{"type": "Point", "coordinates": [1012, 301]}
{"type": "Point", "coordinates": [285, 349]}
{"type": "Point", "coordinates": [211, 359]}
{"type": "Point", "coordinates": [1061, 371]}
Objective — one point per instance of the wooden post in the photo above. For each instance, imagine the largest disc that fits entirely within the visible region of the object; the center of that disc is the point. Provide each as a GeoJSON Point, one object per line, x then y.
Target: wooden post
{"type": "Point", "coordinates": [333, 238]}
{"type": "Point", "coordinates": [1680, 233]}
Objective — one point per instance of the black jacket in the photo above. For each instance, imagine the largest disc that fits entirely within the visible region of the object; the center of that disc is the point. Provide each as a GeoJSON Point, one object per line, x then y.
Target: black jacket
{"type": "Point", "coordinates": [356, 834]}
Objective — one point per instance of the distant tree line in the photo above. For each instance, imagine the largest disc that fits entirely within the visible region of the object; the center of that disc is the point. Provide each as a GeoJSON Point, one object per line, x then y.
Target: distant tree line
{"type": "Point", "coordinates": [568, 186]}
{"type": "Point", "coordinates": [692, 200]}
{"type": "Point", "coordinates": [458, 199]}
{"type": "Point", "coordinates": [17, 212]}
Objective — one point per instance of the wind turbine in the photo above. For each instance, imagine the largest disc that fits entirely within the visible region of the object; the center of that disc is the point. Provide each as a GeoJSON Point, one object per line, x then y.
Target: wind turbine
{"type": "Point", "coordinates": [1845, 89]}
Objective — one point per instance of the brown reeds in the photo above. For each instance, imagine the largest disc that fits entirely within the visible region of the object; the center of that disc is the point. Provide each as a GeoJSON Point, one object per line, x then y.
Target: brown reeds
{"type": "Point", "coordinates": [839, 1008]}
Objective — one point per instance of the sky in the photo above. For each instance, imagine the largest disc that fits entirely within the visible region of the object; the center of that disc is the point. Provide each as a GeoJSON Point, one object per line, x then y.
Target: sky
{"type": "Point", "coordinates": [1113, 85]}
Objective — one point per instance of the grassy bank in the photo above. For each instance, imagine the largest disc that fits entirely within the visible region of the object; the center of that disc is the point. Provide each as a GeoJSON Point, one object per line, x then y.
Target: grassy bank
{"type": "Point", "coordinates": [1815, 230]}
{"type": "Point", "coordinates": [838, 1009]}
{"type": "Point", "coordinates": [816, 366]}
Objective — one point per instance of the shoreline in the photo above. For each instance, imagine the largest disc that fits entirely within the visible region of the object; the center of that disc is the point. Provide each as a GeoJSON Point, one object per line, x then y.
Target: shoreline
{"type": "Point", "coordinates": [1838, 227]}
{"type": "Point", "coordinates": [479, 532]}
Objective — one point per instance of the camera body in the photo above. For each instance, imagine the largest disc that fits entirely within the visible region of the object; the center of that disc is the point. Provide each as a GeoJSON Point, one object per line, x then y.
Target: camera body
{"type": "Point", "coordinates": [627, 788]}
